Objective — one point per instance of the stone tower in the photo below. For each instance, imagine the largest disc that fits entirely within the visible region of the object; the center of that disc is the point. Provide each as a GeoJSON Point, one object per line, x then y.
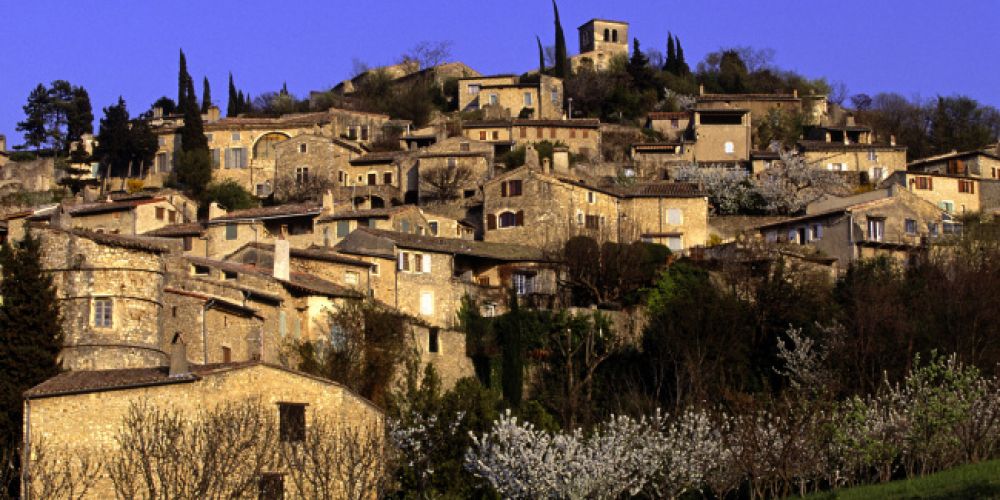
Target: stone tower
{"type": "Point", "coordinates": [602, 35]}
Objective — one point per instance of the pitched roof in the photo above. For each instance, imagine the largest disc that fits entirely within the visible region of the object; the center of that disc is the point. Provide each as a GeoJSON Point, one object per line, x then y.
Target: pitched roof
{"type": "Point", "coordinates": [314, 252]}
{"type": "Point", "coordinates": [277, 211]}
{"type": "Point", "coordinates": [806, 145]}
{"type": "Point", "coordinates": [141, 243]}
{"type": "Point", "coordinates": [574, 123]}
{"type": "Point", "coordinates": [486, 123]}
{"type": "Point", "coordinates": [668, 115]}
{"type": "Point", "coordinates": [108, 207]}
{"type": "Point", "coordinates": [660, 190]}
{"type": "Point", "coordinates": [950, 156]}
{"type": "Point", "coordinates": [177, 230]}
{"type": "Point", "coordinates": [368, 241]}
{"type": "Point", "coordinates": [299, 282]}
{"type": "Point", "coordinates": [371, 213]}
{"type": "Point", "coordinates": [747, 97]}
{"type": "Point", "coordinates": [377, 157]}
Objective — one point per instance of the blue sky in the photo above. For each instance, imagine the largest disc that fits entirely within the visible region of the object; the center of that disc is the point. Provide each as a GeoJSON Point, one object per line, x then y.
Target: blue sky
{"type": "Point", "coordinates": [129, 48]}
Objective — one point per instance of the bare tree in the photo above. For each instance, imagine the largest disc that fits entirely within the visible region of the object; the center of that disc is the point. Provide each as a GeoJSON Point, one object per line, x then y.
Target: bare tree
{"type": "Point", "coordinates": [61, 472]}
{"type": "Point", "coordinates": [339, 461]}
{"type": "Point", "coordinates": [445, 183]}
{"type": "Point", "coordinates": [220, 452]}
{"type": "Point", "coordinates": [289, 189]}
{"type": "Point", "coordinates": [427, 54]}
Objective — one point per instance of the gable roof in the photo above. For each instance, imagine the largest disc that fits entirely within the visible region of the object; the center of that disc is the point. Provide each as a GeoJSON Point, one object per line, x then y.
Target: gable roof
{"type": "Point", "coordinates": [807, 145]}
{"type": "Point", "coordinates": [951, 156]}
{"type": "Point", "coordinates": [314, 252]}
{"type": "Point", "coordinates": [571, 123]}
{"type": "Point", "coordinates": [275, 212]}
{"type": "Point", "coordinates": [109, 206]}
{"type": "Point", "coordinates": [297, 282]}
{"type": "Point", "coordinates": [371, 213]}
{"type": "Point", "coordinates": [177, 230]}
{"type": "Point", "coordinates": [381, 243]}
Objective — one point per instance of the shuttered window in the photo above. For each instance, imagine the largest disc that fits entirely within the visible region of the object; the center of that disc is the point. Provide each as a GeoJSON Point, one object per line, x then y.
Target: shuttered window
{"type": "Point", "coordinates": [491, 221]}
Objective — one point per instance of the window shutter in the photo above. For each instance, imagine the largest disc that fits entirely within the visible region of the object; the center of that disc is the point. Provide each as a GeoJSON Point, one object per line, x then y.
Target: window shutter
{"type": "Point", "coordinates": [503, 189]}
{"type": "Point", "coordinates": [491, 221]}
{"type": "Point", "coordinates": [402, 258]}
{"type": "Point", "coordinates": [427, 263]}
{"type": "Point", "coordinates": [930, 183]}
{"type": "Point", "coordinates": [519, 218]}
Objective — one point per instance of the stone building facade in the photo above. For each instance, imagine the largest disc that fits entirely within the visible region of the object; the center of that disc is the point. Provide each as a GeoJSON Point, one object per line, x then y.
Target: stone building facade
{"type": "Point", "coordinates": [983, 164]}
{"type": "Point", "coordinates": [721, 135]}
{"type": "Point", "coordinates": [130, 215]}
{"type": "Point", "coordinates": [582, 135]}
{"type": "Point", "coordinates": [309, 159]}
{"type": "Point", "coordinates": [955, 194]}
{"type": "Point", "coordinates": [540, 100]}
{"type": "Point", "coordinates": [83, 411]}
{"type": "Point", "coordinates": [852, 149]}
{"type": "Point", "coordinates": [601, 40]}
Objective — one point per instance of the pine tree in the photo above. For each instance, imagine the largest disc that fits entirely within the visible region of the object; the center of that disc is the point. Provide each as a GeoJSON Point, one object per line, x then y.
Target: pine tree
{"type": "Point", "coordinates": [671, 64]}
{"type": "Point", "coordinates": [233, 107]}
{"type": "Point", "coordinates": [112, 149]}
{"type": "Point", "coordinates": [30, 330]}
{"type": "Point", "coordinates": [541, 56]}
{"type": "Point", "coordinates": [561, 64]}
{"type": "Point", "coordinates": [182, 78]}
{"type": "Point", "coordinates": [35, 111]}
{"type": "Point", "coordinates": [80, 119]}
{"type": "Point", "coordinates": [206, 96]}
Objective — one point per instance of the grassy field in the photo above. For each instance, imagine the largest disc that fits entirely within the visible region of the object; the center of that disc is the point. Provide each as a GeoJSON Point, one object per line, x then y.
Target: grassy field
{"type": "Point", "coordinates": [979, 481]}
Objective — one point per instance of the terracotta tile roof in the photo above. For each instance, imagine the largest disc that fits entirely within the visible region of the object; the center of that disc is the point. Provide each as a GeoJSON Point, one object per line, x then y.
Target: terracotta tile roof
{"type": "Point", "coordinates": [448, 154]}
{"type": "Point", "coordinates": [219, 301]}
{"type": "Point", "coordinates": [368, 241]}
{"type": "Point", "coordinates": [287, 210]}
{"type": "Point", "coordinates": [299, 282]}
{"type": "Point", "coordinates": [314, 252]}
{"type": "Point", "coordinates": [486, 123]}
{"type": "Point", "coordinates": [373, 213]}
{"type": "Point", "coordinates": [574, 123]}
{"type": "Point", "coordinates": [839, 146]}
{"type": "Point", "coordinates": [177, 230]}
{"type": "Point", "coordinates": [950, 156]}
{"type": "Point", "coordinates": [660, 190]}
{"type": "Point", "coordinates": [377, 157]}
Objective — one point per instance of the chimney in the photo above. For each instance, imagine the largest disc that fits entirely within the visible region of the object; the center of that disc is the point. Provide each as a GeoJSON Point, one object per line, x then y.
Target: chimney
{"type": "Point", "coordinates": [892, 139]}
{"type": "Point", "coordinates": [179, 366]}
{"type": "Point", "coordinates": [157, 112]}
{"type": "Point", "coordinates": [212, 115]}
{"type": "Point", "coordinates": [850, 120]}
{"type": "Point", "coordinates": [215, 210]}
{"type": "Point", "coordinates": [281, 255]}
{"type": "Point", "coordinates": [795, 93]}
{"type": "Point", "coordinates": [701, 89]}
{"type": "Point", "coordinates": [560, 159]}
{"type": "Point", "coordinates": [327, 202]}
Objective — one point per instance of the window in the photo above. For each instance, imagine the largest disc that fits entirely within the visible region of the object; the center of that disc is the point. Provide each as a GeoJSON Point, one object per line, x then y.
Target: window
{"type": "Point", "coordinates": [511, 188]}
{"type": "Point", "coordinates": [511, 219]}
{"type": "Point", "coordinates": [527, 99]}
{"type": "Point", "coordinates": [524, 133]}
{"type": "Point", "coordinates": [493, 99]}
{"type": "Point", "coordinates": [911, 226]}
{"type": "Point", "coordinates": [965, 186]}
{"type": "Point", "coordinates": [572, 133]}
{"type": "Point", "coordinates": [229, 275]}
{"type": "Point", "coordinates": [586, 133]}
{"type": "Point", "coordinates": [235, 136]}
{"type": "Point", "coordinates": [524, 284]}
{"type": "Point", "coordinates": [579, 218]}
{"type": "Point", "coordinates": [675, 216]}
{"type": "Point", "coordinates": [160, 213]}
{"type": "Point", "coordinates": [387, 178]}
{"type": "Point", "coordinates": [375, 269]}
{"type": "Point", "coordinates": [482, 135]}
{"type": "Point", "coordinates": [923, 183]}
{"type": "Point", "coordinates": [836, 167]}
{"type": "Point", "coordinates": [200, 270]}
{"type": "Point", "coordinates": [103, 312]}
{"type": "Point", "coordinates": [427, 303]}
{"type": "Point", "coordinates": [162, 162]}
{"type": "Point", "coordinates": [675, 243]}
{"type": "Point", "coordinates": [227, 354]}
{"type": "Point", "coordinates": [872, 155]}
{"type": "Point", "coordinates": [433, 344]}
{"type": "Point", "coordinates": [675, 123]}
{"type": "Point", "coordinates": [372, 178]}
{"type": "Point", "coordinates": [341, 177]}
{"type": "Point", "coordinates": [418, 263]}
{"type": "Point", "coordinates": [730, 147]}
{"type": "Point", "coordinates": [552, 133]}
{"type": "Point", "coordinates": [452, 162]}
{"type": "Point", "coordinates": [188, 243]}
{"type": "Point", "coordinates": [877, 174]}
{"type": "Point", "coordinates": [292, 422]}
{"type": "Point", "coordinates": [592, 222]}
{"type": "Point", "coordinates": [555, 96]}
{"type": "Point", "coordinates": [816, 233]}
{"type": "Point", "coordinates": [404, 226]}
{"type": "Point", "coordinates": [463, 146]}
{"type": "Point", "coordinates": [231, 231]}
{"type": "Point", "coordinates": [591, 197]}
{"type": "Point", "coordinates": [433, 227]}
{"type": "Point", "coordinates": [236, 158]}
{"type": "Point", "coordinates": [216, 158]}
{"type": "Point", "coordinates": [932, 228]}
{"type": "Point", "coordinates": [364, 132]}
{"type": "Point", "coordinates": [951, 227]}
{"type": "Point", "coordinates": [474, 88]}
{"type": "Point", "coordinates": [539, 132]}
{"type": "Point", "coordinates": [948, 206]}
{"type": "Point", "coordinates": [876, 229]}
{"type": "Point", "coordinates": [404, 261]}
{"type": "Point", "coordinates": [496, 135]}
{"type": "Point", "coordinates": [301, 175]}
{"type": "Point", "coordinates": [261, 189]}
{"type": "Point", "coordinates": [302, 148]}
{"type": "Point", "coordinates": [351, 277]}
{"type": "Point", "coordinates": [343, 228]}
{"type": "Point", "coordinates": [271, 486]}
{"type": "Point", "coordinates": [172, 216]}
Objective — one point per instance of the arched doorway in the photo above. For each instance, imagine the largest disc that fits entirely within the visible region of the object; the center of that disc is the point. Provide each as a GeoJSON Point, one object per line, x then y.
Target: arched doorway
{"type": "Point", "coordinates": [263, 149]}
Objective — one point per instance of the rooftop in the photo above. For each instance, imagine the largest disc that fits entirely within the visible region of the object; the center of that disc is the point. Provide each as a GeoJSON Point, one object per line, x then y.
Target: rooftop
{"type": "Point", "coordinates": [298, 282]}
{"type": "Point", "coordinates": [277, 211]}
{"type": "Point", "coordinates": [377, 242]}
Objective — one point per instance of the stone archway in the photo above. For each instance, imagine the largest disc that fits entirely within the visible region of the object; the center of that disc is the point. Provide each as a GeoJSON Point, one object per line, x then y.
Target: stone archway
{"type": "Point", "coordinates": [263, 149]}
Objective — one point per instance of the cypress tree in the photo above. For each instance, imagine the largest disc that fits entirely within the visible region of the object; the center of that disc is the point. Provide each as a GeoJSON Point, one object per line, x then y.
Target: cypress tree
{"type": "Point", "coordinates": [30, 330]}
{"type": "Point", "coordinates": [671, 64]}
{"type": "Point", "coordinates": [182, 78]}
{"type": "Point", "coordinates": [233, 107]}
{"type": "Point", "coordinates": [194, 163]}
{"type": "Point", "coordinates": [541, 56]}
{"type": "Point", "coordinates": [562, 65]}
{"type": "Point", "coordinates": [682, 66]}
{"type": "Point", "coordinates": [206, 96]}
{"type": "Point", "coordinates": [113, 140]}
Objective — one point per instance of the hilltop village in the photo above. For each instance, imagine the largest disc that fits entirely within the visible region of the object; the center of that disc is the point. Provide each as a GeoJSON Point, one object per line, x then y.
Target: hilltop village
{"type": "Point", "coordinates": [252, 255]}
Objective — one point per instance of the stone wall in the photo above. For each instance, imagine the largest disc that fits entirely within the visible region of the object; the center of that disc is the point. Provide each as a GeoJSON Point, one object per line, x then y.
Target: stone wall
{"type": "Point", "coordinates": [858, 159]}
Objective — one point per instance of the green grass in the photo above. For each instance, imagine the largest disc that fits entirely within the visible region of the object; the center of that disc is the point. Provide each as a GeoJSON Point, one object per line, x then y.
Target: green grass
{"type": "Point", "coordinates": [978, 481]}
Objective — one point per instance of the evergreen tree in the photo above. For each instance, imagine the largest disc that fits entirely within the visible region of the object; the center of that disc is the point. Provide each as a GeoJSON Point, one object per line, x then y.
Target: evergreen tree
{"type": "Point", "coordinates": [671, 65]}
{"type": "Point", "coordinates": [30, 330]}
{"type": "Point", "coordinates": [682, 68]}
{"type": "Point", "coordinates": [80, 119]}
{"type": "Point", "coordinates": [142, 146]}
{"type": "Point", "coordinates": [112, 149]}
{"type": "Point", "coordinates": [167, 104]}
{"type": "Point", "coordinates": [194, 164]}
{"type": "Point", "coordinates": [182, 78]}
{"type": "Point", "coordinates": [35, 110]}
{"type": "Point", "coordinates": [561, 63]}
{"type": "Point", "coordinates": [206, 96]}
{"type": "Point", "coordinates": [233, 106]}
{"type": "Point", "coordinates": [541, 56]}
{"type": "Point", "coordinates": [638, 68]}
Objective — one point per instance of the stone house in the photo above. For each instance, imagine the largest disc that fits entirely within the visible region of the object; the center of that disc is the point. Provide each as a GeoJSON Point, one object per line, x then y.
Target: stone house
{"type": "Point", "coordinates": [581, 135]}
{"type": "Point", "coordinates": [892, 221]}
{"type": "Point", "coordinates": [404, 218]}
{"type": "Point", "coordinates": [379, 179]}
{"type": "Point", "coordinates": [317, 261]}
{"type": "Point", "coordinates": [83, 411]}
{"type": "Point", "coordinates": [136, 214]}
{"type": "Point", "coordinates": [191, 235]}
{"type": "Point", "coordinates": [955, 194]}
{"type": "Point", "coordinates": [30, 176]}
{"type": "Point", "coordinates": [545, 207]}
{"type": "Point", "coordinates": [453, 156]}
{"type": "Point", "coordinates": [601, 40]}
{"type": "Point", "coordinates": [308, 159]}
{"type": "Point", "coordinates": [226, 232]}
{"type": "Point", "coordinates": [427, 276]}
{"type": "Point", "coordinates": [672, 125]}
{"type": "Point", "coordinates": [813, 107]}
{"type": "Point", "coordinates": [851, 148]}
{"type": "Point", "coordinates": [721, 135]}
{"type": "Point", "coordinates": [983, 164]}
{"type": "Point", "coordinates": [542, 99]}
{"type": "Point", "coordinates": [656, 159]}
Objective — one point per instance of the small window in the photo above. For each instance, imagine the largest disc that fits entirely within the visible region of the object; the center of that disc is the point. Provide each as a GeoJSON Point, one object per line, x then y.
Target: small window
{"type": "Point", "coordinates": [911, 226]}
{"type": "Point", "coordinates": [418, 263]}
{"type": "Point", "coordinates": [427, 303]}
{"type": "Point", "coordinates": [200, 270]}
{"type": "Point", "coordinates": [301, 175]}
{"type": "Point", "coordinates": [675, 216]}
{"type": "Point", "coordinates": [452, 162]}
{"type": "Point", "coordinates": [494, 99]}
{"type": "Point", "coordinates": [433, 344]}
{"type": "Point", "coordinates": [527, 99]}
{"type": "Point", "coordinates": [343, 228]}
{"type": "Point", "coordinates": [507, 219]}
{"type": "Point", "coordinates": [404, 226]}
{"type": "Point", "coordinates": [948, 206]}
{"type": "Point", "coordinates": [730, 147]}
{"type": "Point", "coordinates": [433, 225]}
{"type": "Point", "coordinates": [235, 136]}
{"type": "Point", "coordinates": [482, 135]}
{"type": "Point", "coordinates": [302, 148]}
{"type": "Point", "coordinates": [523, 132]}
{"type": "Point", "coordinates": [932, 228]}
{"type": "Point", "coordinates": [351, 277]}
{"type": "Point", "coordinates": [103, 309]}
{"type": "Point", "coordinates": [375, 269]}
{"type": "Point", "coordinates": [188, 243]}
{"type": "Point", "coordinates": [261, 189]}
{"type": "Point", "coordinates": [172, 216]}
{"type": "Point", "coordinates": [876, 229]}
{"type": "Point", "coordinates": [372, 178]}
{"type": "Point", "coordinates": [675, 123]}
{"type": "Point", "coordinates": [965, 186]}
{"type": "Point", "coordinates": [817, 232]}
{"type": "Point", "coordinates": [555, 96]}
{"type": "Point", "coordinates": [523, 283]}
{"type": "Point", "coordinates": [591, 197]}
{"type": "Point", "coordinates": [160, 213]}
{"type": "Point", "coordinates": [923, 183]}
{"type": "Point", "coordinates": [387, 178]}
{"type": "Point", "coordinates": [496, 135]}
{"type": "Point", "coordinates": [404, 261]}
{"type": "Point", "coordinates": [231, 231]}
{"type": "Point", "coordinates": [593, 222]}
{"type": "Point", "coordinates": [675, 243]}
{"type": "Point", "coordinates": [872, 155]}
{"type": "Point", "coordinates": [229, 275]}
{"type": "Point", "coordinates": [227, 354]}
{"type": "Point", "coordinates": [292, 423]}
{"type": "Point", "coordinates": [474, 88]}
